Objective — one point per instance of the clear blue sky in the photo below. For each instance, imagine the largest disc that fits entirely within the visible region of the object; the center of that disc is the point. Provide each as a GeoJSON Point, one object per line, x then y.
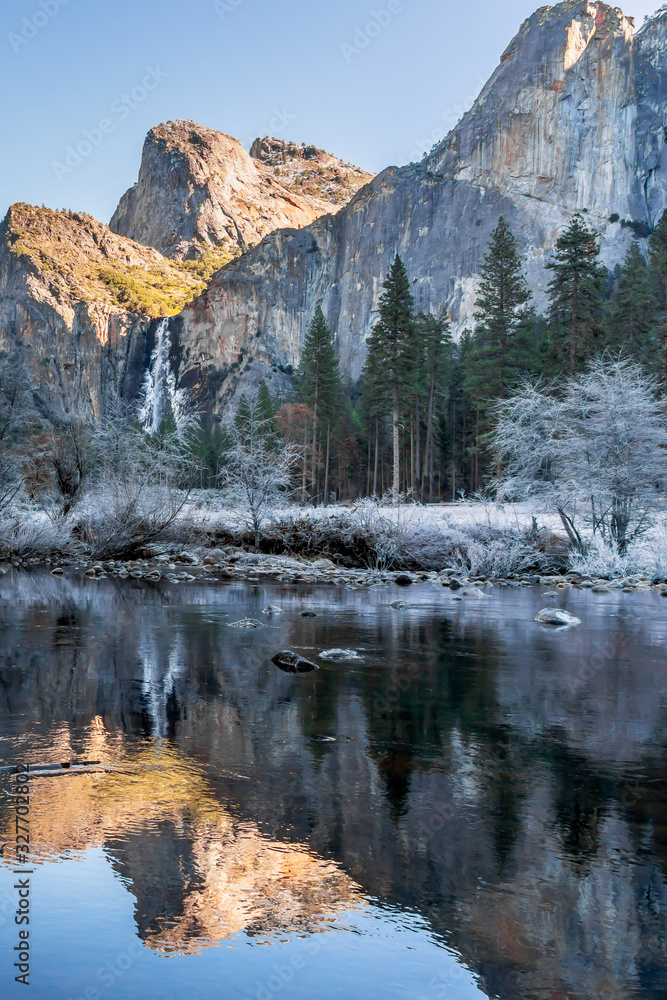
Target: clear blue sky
{"type": "Point", "coordinates": [249, 68]}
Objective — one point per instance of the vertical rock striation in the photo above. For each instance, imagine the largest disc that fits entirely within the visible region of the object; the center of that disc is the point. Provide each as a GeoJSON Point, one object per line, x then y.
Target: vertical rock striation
{"type": "Point", "coordinates": [573, 119]}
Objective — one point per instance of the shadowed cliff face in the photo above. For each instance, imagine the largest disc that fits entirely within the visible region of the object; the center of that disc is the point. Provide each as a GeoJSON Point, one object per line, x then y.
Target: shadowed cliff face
{"type": "Point", "coordinates": [572, 120]}
{"type": "Point", "coordinates": [504, 782]}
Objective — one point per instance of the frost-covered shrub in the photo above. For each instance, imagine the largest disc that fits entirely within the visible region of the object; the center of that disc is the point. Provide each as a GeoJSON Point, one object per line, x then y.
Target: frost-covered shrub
{"type": "Point", "coordinates": [25, 534]}
{"type": "Point", "coordinates": [600, 560]}
{"type": "Point", "coordinates": [505, 553]}
{"type": "Point", "coordinates": [647, 556]}
{"type": "Point", "coordinates": [375, 537]}
{"type": "Point", "coordinates": [117, 520]}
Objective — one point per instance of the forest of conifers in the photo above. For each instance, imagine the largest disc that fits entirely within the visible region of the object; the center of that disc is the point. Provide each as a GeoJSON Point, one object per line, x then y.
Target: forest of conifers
{"type": "Point", "coordinates": [419, 421]}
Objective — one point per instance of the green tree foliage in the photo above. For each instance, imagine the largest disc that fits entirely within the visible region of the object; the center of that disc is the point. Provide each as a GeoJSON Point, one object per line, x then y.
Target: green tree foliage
{"type": "Point", "coordinates": [575, 292]}
{"type": "Point", "coordinates": [320, 387]}
{"type": "Point", "coordinates": [631, 311]}
{"type": "Point", "coordinates": [658, 266]}
{"type": "Point", "coordinates": [436, 369]}
{"type": "Point", "coordinates": [498, 351]}
{"type": "Point", "coordinates": [390, 368]}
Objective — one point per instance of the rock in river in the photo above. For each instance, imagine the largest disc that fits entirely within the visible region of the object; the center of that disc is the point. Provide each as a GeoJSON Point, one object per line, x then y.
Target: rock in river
{"type": "Point", "coordinates": [246, 623]}
{"type": "Point", "coordinates": [272, 609]}
{"type": "Point", "coordinates": [557, 617]}
{"type": "Point", "coordinates": [339, 655]}
{"type": "Point", "coordinates": [403, 580]}
{"type": "Point", "coordinates": [292, 663]}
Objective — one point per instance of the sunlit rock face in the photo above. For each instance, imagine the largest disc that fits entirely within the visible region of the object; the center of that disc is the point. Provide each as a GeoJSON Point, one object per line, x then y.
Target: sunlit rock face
{"type": "Point", "coordinates": [78, 300]}
{"type": "Point", "coordinates": [571, 120]}
{"type": "Point", "coordinates": [198, 188]}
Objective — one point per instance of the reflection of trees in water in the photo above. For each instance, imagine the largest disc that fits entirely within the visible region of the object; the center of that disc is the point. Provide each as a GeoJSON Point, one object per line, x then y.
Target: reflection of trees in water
{"type": "Point", "coordinates": [485, 721]}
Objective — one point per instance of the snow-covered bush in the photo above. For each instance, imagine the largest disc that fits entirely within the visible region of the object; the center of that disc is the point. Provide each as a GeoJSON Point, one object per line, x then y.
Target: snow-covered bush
{"type": "Point", "coordinates": [27, 534]}
{"type": "Point", "coordinates": [499, 554]}
{"type": "Point", "coordinates": [117, 520]}
{"type": "Point", "coordinates": [647, 556]}
{"type": "Point", "coordinates": [136, 490]}
{"type": "Point", "coordinates": [260, 468]}
{"type": "Point", "coordinates": [592, 450]}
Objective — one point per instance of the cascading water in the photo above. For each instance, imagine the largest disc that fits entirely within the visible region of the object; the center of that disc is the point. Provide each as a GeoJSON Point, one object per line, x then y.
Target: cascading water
{"type": "Point", "coordinates": [160, 394]}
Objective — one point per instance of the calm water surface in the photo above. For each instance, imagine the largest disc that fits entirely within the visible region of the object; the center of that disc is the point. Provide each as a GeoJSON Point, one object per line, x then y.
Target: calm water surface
{"type": "Point", "coordinates": [477, 808]}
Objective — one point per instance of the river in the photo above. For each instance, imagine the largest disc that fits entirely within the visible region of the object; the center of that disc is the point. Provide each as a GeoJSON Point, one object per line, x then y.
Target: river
{"type": "Point", "coordinates": [476, 807]}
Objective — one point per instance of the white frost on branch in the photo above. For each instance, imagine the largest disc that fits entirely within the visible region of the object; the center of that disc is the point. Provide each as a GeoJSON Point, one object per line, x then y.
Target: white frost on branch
{"type": "Point", "coordinates": [593, 450]}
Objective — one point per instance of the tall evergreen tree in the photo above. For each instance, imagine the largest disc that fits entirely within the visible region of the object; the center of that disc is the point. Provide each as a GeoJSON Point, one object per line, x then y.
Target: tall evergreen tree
{"type": "Point", "coordinates": [658, 265]}
{"type": "Point", "coordinates": [391, 355]}
{"type": "Point", "coordinates": [372, 407]}
{"type": "Point", "coordinates": [320, 388]}
{"type": "Point", "coordinates": [575, 292]}
{"type": "Point", "coordinates": [437, 349]}
{"type": "Point", "coordinates": [496, 353]}
{"type": "Point", "coordinates": [632, 307]}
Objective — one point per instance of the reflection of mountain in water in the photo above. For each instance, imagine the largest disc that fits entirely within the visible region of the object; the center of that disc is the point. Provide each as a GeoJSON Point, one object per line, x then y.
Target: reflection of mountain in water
{"type": "Point", "coordinates": [504, 782]}
{"type": "Point", "coordinates": [199, 875]}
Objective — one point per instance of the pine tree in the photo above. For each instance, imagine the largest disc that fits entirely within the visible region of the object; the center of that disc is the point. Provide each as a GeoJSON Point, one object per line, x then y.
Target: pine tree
{"type": "Point", "coordinates": [658, 265]}
{"type": "Point", "coordinates": [632, 307]}
{"type": "Point", "coordinates": [391, 353]}
{"type": "Point", "coordinates": [372, 408]}
{"type": "Point", "coordinates": [496, 354]}
{"type": "Point", "coordinates": [461, 414]}
{"type": "Point", "coordinates": [320, 388]}
{"type": "Point", "coordinates": [437, 348]}
{"type": "Point", "coordinates": [575, 292]}
{"type": "Point", "coordinates": [500, 347]}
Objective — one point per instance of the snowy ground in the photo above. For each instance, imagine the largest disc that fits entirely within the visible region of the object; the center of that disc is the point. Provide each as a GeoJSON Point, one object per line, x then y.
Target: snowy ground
{"type": "Point", "coordinates": [207, 508]}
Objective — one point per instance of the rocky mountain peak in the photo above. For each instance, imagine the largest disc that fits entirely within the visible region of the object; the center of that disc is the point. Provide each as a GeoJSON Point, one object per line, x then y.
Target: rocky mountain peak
{"type": "Point", "coordinates": [199, 189]}
{"type": "Point", "coordinates": [69, 258]}
{"type": "Point", "coordinates": [574, 119]}
{"type": "Point", "coordinates": [309, 170]}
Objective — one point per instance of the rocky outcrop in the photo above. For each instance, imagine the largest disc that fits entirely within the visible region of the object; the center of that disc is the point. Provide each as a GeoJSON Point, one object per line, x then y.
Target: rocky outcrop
{"type": "Point", "coordinates": [310, 171]}
{"type": "Point", "coordinates": [199, 188]}
{"type": "Point", "coordinates": [573, 119]}
{"type": "Point", "coordinates": [79, 301]}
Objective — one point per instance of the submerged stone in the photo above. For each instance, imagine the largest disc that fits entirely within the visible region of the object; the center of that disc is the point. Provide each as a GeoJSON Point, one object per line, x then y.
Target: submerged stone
{"type": "Point", "coordinates": [249, 623]}
{"type": "Point", "coordinates": [340, 655]}
{"type": "Point", "coordinates": [401, 605]}
{"type": "Point", "coordinates": [272, 609]}
{"type": "Point", "coordinates": [292, 663]}
{"type": "Point", "coordinates": [557, 617]}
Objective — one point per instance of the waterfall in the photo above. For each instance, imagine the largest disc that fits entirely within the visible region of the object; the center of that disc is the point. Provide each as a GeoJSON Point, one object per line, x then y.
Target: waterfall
{"type": "Point", "coordinates": [160, 394]}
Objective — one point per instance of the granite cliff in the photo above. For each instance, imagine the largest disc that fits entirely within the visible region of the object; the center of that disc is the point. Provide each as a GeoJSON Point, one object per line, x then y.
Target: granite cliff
{"type": "Point", "coordinates": [80, 300]}
{"type": "Point", "coordinates": [573, 119]}
{"type": "Point", "coordinates": [199, 188]}
{"type": "Point", "coordinates": [80, 297]}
